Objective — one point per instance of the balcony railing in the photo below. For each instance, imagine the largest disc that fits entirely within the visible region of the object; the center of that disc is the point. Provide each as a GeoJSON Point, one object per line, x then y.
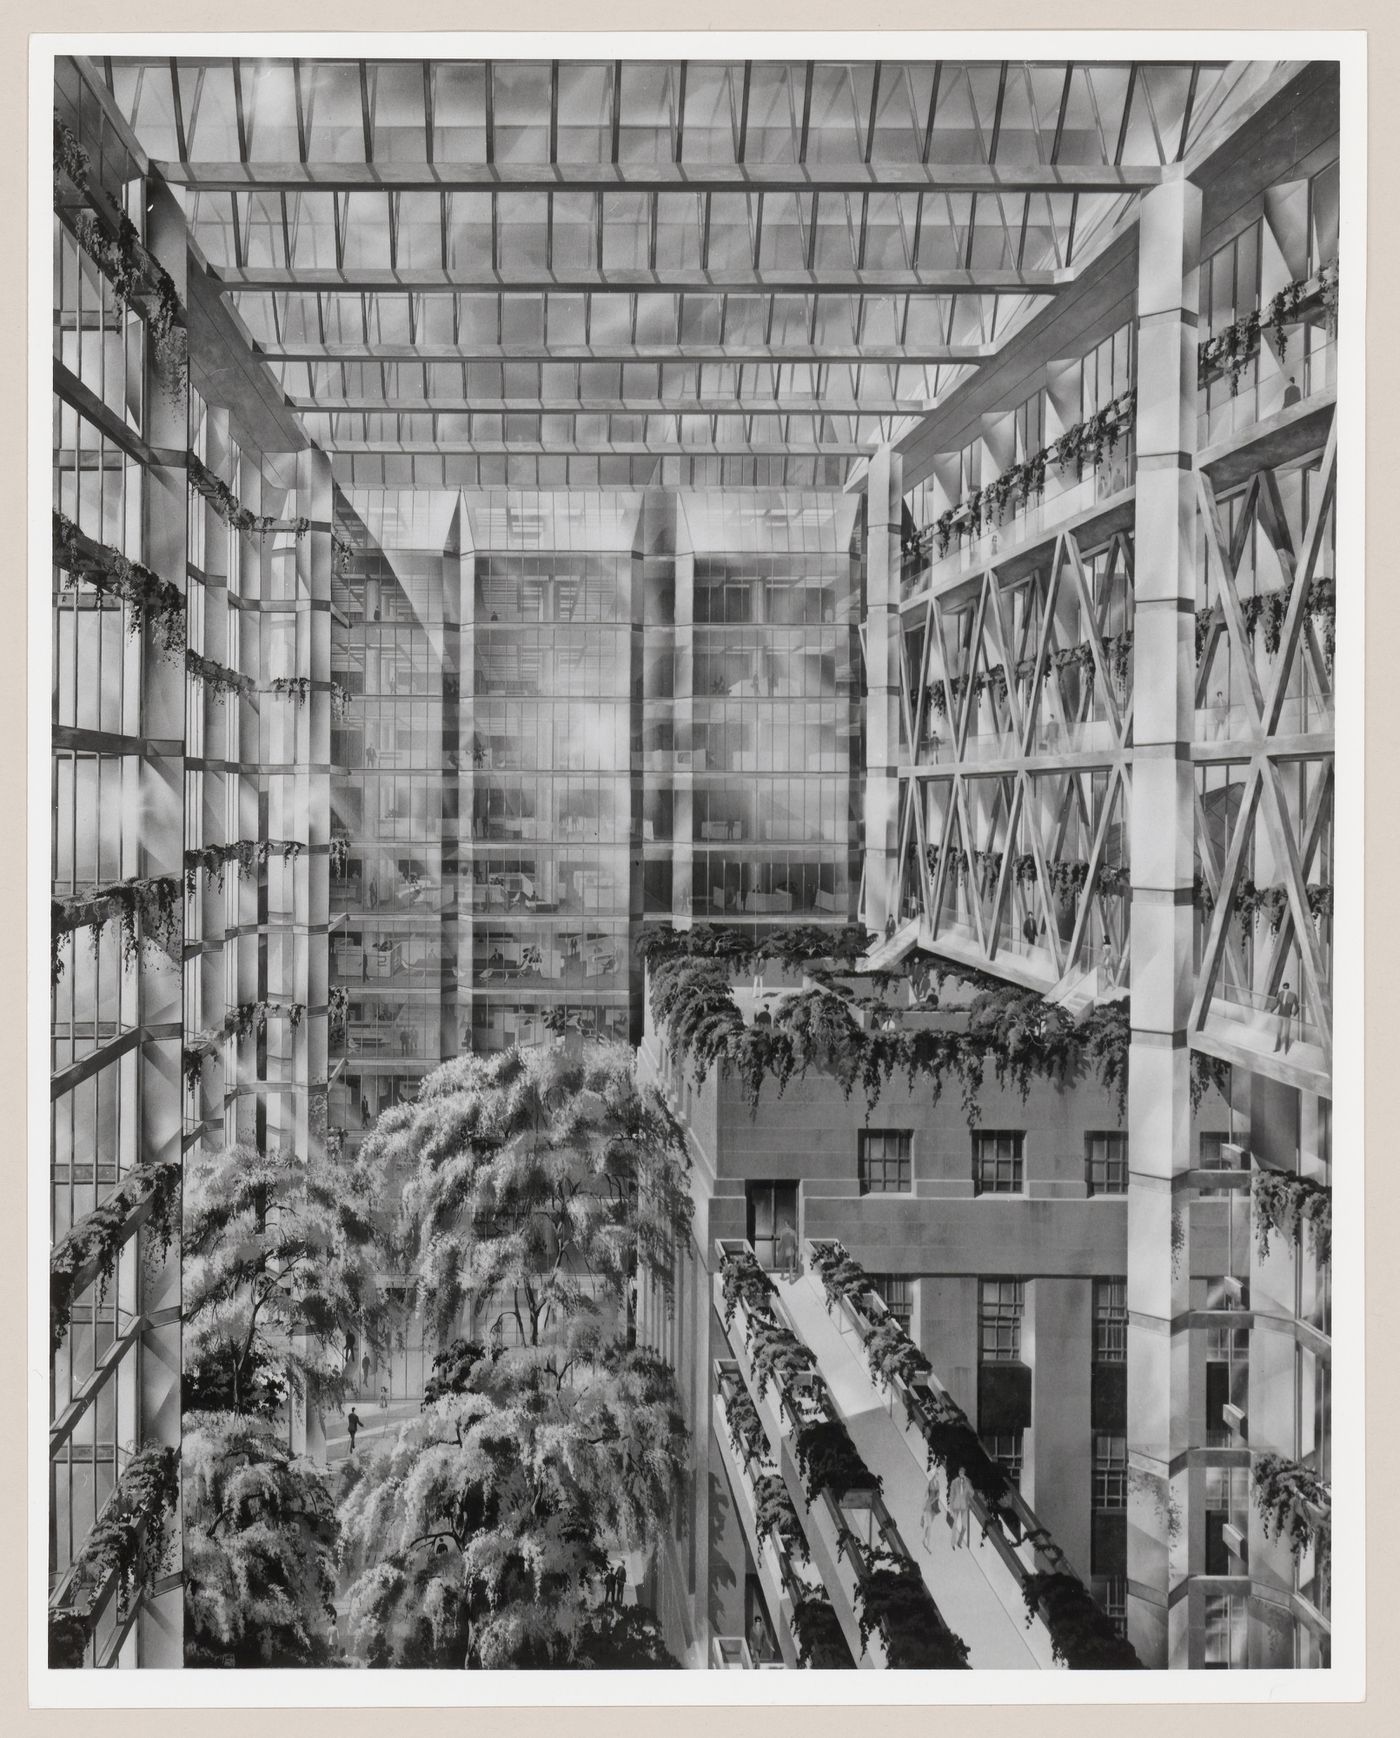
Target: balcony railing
{"type": "Point", "coordinates": [936, 1428]}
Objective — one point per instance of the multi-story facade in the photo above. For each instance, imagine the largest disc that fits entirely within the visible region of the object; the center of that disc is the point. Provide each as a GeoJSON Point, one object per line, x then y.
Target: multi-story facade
{"type": "Point", "coordinates": [562, 557]}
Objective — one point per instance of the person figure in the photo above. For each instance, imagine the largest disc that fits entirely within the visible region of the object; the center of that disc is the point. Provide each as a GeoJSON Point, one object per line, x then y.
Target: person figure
{"type": "Point", "coordinates": [352, 1424]}
{"type": "Point", "coordinates": [889, 927]}
{"type": "Point", "coordinates": [373, 894]}
{"type": "Point", "coordinates": [787, 1251]}
{"type": "Point", "coordinates": [758, 1638]}
{"type": "Point", "coordinates": [364, 1111]}
{"type": "Point", "coordinates": [364, 1371]}
{"type": "Point", "coordinates": [933, 1507]}
{"type": "Point", "coordinates": [384, 1397]}
{"type": "Point", "coordinates": [1291, 393]}
{"type": "Point", "coordinates": [1108, 963]}
{"type": "Point", "coordinates": [960, 1508]}
{"type": "Point", "coordinates": [619, 1582]}
{"type": "Point", "coordinates": [1220, 713]}
{"type": "Point", "coordinates": [1286, 1007]}
{"type": "Point", "coordinates": [1028, 928]}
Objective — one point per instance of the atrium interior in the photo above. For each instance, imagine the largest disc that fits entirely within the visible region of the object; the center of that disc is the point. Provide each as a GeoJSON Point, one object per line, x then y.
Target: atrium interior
{"type": "Point", "coordinates": [692, 863]}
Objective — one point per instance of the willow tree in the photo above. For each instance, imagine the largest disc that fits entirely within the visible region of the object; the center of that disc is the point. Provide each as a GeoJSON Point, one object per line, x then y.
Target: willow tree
{"type": "Point", "coordinates": [478, 1540]}
{"type": "Point", "coordinates": [281, 1258]}
{"type": "Point", "coordinates": [536, 1182]}
{"type": "Point", "coordinates": [533, 1187]}
{"type": "Point", "coordinates": [280, 1263]}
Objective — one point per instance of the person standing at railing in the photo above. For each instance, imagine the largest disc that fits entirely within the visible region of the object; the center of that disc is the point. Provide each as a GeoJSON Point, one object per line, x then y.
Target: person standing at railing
{"type": "Point", "coordinates": [1286, 1007]}
{"type": "Point", "coordinates": [960, 1508]}
{"type": "Point", "coordinates": [933, 1507]}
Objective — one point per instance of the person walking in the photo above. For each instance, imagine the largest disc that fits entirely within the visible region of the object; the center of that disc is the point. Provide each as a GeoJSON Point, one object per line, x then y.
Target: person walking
{"type": "Point", "coordinates": [1028, 929]}
{"type": "Point", "coordinates": [1286, 1007]}
{"type": "Point", "coordinates": [352, 1424]}
{"type": "Point", "coordinates": [384, 1397]}
{"type": "Point", "coordinates": [960, 1508]}
{"type": "Point", "coordinates": [787, 1252]}
{"type": "Point", "coordinates": [933, 1507]}
{"type": "Point", "coordinates": [364, 1373]}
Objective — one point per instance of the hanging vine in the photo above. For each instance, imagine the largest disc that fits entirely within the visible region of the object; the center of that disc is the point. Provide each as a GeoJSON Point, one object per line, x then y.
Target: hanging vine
{"type": "Point", "coordinates": [147, 597]}
{"type": "Point", "coordinates": [87, 1252]}
{"type": "Point", "coordinates": [130, 1543]}
{"type": "Point", "coordinates": [1089, 441]}
{"type": "Point", "coordinates": [147, 907]}
{"type": "Point", "coordinates": [1284, 1203]}
{"type": "Point", "coordinates": [340, 700]}
{"type": "Point", "coordinates": [137, 278]}
{"type": "Point", "coordinates": [217, 678]}
{"type": "Point", "coordinates": [1294, 1504]}
{"type": "Point", "coordinates": [248, 855]}
{"type": "Point", "coordinates": [232, 511]}
{"type": "Point", "coordinates": [1230, 351]}
{"type": "Point", "coordinates": [297, 688]}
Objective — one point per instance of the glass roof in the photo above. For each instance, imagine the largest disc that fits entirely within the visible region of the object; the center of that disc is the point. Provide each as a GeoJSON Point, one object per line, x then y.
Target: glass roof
{"type": "Point", "coordinates": [780, 258]}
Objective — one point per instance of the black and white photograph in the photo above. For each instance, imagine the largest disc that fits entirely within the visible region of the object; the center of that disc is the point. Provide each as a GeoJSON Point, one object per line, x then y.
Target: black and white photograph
{"type": "Point", "coordinates": [702, 901]}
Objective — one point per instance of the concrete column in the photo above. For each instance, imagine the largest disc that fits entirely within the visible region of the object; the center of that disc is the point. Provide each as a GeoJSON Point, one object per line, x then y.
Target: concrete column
{"type": "Point", "coordinates": [1159, 1109]}
{"type": "Point", "coordinates": [884, 509]}
{"type": "Point", "coordinates": [1055, 1341]}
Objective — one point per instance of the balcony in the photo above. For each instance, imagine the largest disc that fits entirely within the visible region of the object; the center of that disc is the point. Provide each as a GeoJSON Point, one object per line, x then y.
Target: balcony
{"type": "Point", "coordinates": [853, 1541]}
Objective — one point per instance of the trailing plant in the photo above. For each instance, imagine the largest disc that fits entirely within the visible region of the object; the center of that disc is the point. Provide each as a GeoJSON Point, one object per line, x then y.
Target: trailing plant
{"type": "Point", "coordinates": [131, 1542]}
{"type": "Point", "coordinates": [891, 1354]}
{"type": "Point", "coordinates": [1018, 1032]}
{"type": "Point", "coordinates": [1230, 350]}
{"type": "Point", "coordinates": [741, 1278]}
{"type": "Point", "coordinates": [147, 596]}
{"type": "Point", "coordinates": [248, 855]}
{"type": "Point", "coordinates": [1250, 903]}
{"type": "Point", "coordinates": [829, 1461]}
{"type": "Point", "coordinates": [1082, 1636]}
{"type": "Point", "coordinates": [98, 1237]}
{"type": "Point", "coordinates": [1090, 440]}
{"type": "Point", "coordinates": [69, 156]}
{"type": "Point", "coordinates": [337, 1010]}
{"type": "Point", "coordinates": [894, 1599]}
{"type": "Point", "coordinates": [232, 511]}
{"type": "Point", "coordinates": [1024, 870]}
{"type": "Point", "coordinates": [1207, 1073]}
{"type": "Point", "coordinates": [777, 1355]}
{"type": "Point", "coordinates": [821, 1643]}
{"type": "Point", "coordinates": [340, 700]}
{"type": "Point", "coordinates": [147, 907]}
{"type": "Point", "coordinates": [296, 688]}
{"type": "Point", "coordinates": [138, 279]}
{"type": "Point", "coordinates": [746, 1433]}
{"type": "Point", "coordinates": [774, 1513]}
{"type": "Point", "coordinates": [1113, 880]}
{"type": "Point", "coordinates": [339, 851]}
{"type": "Point", "coordinates": [1120, 656]}
{"type": "Point", "coordinates": [1284, 1203]}
{"type": "Point", "coordinates": [342, 552]}
{"type": "Point", "coordinates": [217, 678]}
{"type": "Point", "coordinates": [1294, 1504]}
{"type": "Point", "coordinates": [841, 1276]}
{"type": "Point", "coordinates": [239, 1022]}
{"type": "Point", "coordinates": [1067, 877]}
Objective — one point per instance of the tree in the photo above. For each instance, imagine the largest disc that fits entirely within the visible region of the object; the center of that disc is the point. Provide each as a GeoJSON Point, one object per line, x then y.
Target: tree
{"type": "Point", "coordinates": [534, 1185]}
{"type": "Point", "coordinates": [539, 1178]}
{"type": "Point", "coordinates": [477, 1539]}
{"type": "Point", "coordinates": [280, 1270]}
{"type": "Point", "coordinates": [260, 1548]}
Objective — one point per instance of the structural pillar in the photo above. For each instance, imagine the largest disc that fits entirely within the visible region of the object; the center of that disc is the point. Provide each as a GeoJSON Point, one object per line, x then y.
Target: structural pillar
{"type": "Point", "coordinates": [1159, 1100]}
{"type": "Point", "coordinates": [884, 514]}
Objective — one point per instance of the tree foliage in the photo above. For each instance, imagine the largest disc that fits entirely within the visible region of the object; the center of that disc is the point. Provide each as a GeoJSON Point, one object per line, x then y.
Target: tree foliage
{"type": "Point", "coordinates": [260, 1547]}
{"type": "Point", "coordinates": [476, 1540]}
{"type": "Point", "coordinates": [541, 1177]}
{"type": "Point", "coordinates": [281, 1263]}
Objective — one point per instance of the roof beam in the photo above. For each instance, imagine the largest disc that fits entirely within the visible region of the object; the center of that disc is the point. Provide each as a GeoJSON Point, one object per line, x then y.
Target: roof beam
{"type": "Point", "coordinates": [604, 449]}
{"type": "Point", "coordinates": [783, 281]}
{"type": "Point", "coordinates": [659, 176]}
{"type": "Point", "coordinates": [786, 404]}
{"type": "Point", "coordinates": [469, 350]}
